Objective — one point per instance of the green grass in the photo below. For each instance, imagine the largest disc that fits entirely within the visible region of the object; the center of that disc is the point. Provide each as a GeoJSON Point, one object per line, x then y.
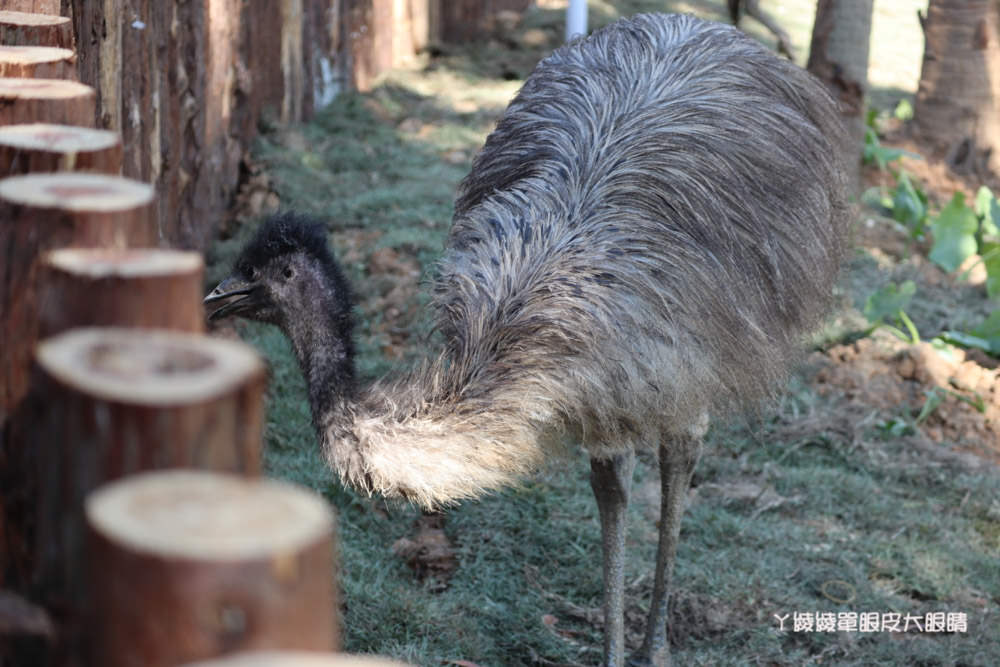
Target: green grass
{"type": "Point", "coordinates": [908, 530]}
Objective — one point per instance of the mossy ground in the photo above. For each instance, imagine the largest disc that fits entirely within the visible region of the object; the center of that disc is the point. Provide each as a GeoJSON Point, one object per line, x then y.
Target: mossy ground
{"type": "Point", "coordinates": [788, 513]}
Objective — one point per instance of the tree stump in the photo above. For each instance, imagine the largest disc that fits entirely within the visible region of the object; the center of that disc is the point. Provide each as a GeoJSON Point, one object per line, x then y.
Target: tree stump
{"type": "Point", "coordinates": [42, 147]}
{"type": "Point", "coordinates": [190, 565]}
{"type": "Point", "coordinates": [37, 62]}
{"type": "Point", "coordinates": [46, 101]}
{"type": "Point", "coordinates": [148, 288]}
{"type": "Point", "coordinates": [296, 659]}
{"type": "Point", "coordinates": [39, 212]}
{"type": "Point", "coordinates": [29, 29]}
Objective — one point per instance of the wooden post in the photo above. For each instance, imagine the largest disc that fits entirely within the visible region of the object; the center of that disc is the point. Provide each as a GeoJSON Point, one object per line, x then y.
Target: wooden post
{"type": "Point", "coordinates": [296, 659]}
{"type": "Point", "coordinates": [148, 288]}
{"type": "Point", "coordinates": [37, 62]}
{"type": "Point", "coordinates": [189, 565]}
{"type": "Point", "coordinates": [27, 29]}
{"type": "Point", "coordinates": [40, 212]}
{"type": "Point", "coordinates": [110, 402]}
{"type": "Point", "coordinates": [34, 6]}
{"type": "Point", "coordinates": [43, 147]}
{"type": "Point", "coordinates": [46, 101]}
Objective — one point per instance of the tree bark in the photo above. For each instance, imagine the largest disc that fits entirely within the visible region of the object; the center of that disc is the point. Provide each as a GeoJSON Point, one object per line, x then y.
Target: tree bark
{"type": "Point", "coordinates": [957, 109]}
{"type": "Point", "coordinates": [838, 56]}
{"type": "Point", "coordinates": [188, 566]}
{"type": "Point", "coordinates": [144, 288]}
{"type": "Point", "coordinates": [37, 62]}
{"type": "Point", "coordinates": [41, 147]}
{"type": "Point", "coordinates": [46, 101]}
{"type": "Point", "coordinates": [295, 659]}
{"type": "Point", "coordinates": [24, 29]}
{"type": "Point", "coordinates": [45, 211]}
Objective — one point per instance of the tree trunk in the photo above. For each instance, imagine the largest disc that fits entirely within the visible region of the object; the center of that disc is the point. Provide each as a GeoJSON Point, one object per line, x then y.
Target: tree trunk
{"type": "Point", "coordinates": [187, 566]}
{"type": "Point", "coordinates": [145, 288]}
{"type": "Point", "coordinates": [957, 109]}
{"type": "Point", "coordinates": [41, 147]}
{"type": "Point", "coordinates": [37, 62]}
{"type": "Point", "coordinates": [838, 56]}
{"type": "Point", "coordinates": [43, 212]}
{"type": "Point", "coordinates": [468, 20]}
{"type": "Point", "coordinates": [296, 659]}
{"type": "Point", "coordinates": [24, 29]}
{"type": "Point", "coordinates": [46, 101]}
{"type": "Point", "coordinates": [108, 403]}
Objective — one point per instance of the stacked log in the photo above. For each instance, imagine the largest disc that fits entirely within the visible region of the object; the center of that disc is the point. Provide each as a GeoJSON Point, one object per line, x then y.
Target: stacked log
{"type": "Point", "coordinates": [45, 147]}
{"type": "Point", "coordinates": [111, 402]}
{"type": "Point", "coordinates": [37, 62]}
{"type": "Point", "coordinates": [46, 101]}
{"type": "Point", "coordinates": [33, 29]}
{"type": "Point", "coordinates": [34, 6]}
{"type": "Point", "coordinates": [41, 212]}
{"type": "Point", "coordinates": [145, 288]}
{"type": "Point", "coordinates": [190, 565]}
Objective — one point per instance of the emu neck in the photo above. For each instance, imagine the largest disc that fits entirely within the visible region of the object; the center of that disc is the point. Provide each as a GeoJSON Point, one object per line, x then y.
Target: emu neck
{"type": "Point", "coordinates": [320, 333]}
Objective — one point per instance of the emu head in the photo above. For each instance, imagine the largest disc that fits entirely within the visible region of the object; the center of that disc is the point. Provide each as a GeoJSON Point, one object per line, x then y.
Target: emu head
{"type": "Point", "coordinates": [284, 275]}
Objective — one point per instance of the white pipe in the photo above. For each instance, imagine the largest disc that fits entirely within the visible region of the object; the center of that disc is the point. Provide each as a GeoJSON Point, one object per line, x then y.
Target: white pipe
{"type": "Point", "coordinates": [576, 19]}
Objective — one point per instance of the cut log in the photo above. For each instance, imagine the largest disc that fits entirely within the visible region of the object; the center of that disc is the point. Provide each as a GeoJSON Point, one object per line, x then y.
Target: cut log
{"type": "Point", "coordinates": [46, 101]}
{"type": "Point", "coordinates": [37, 62]}
{"type": "Point", "coordinates": [189, 565]}
{"type": "Point", "coordinates": [296, 659]}
{"type": "Point", "coordinates": [40, 212]}
{"type": "Point", "coordinates": [34, 6]}
{"type": "Point", "coordinates": [149, 288]}
{"type": "Point", "coordinates": [110, 402]}
{"type": "Point", "coordinates": [42, 147]}
{"type": "Point", "coordinates": [30, 29]}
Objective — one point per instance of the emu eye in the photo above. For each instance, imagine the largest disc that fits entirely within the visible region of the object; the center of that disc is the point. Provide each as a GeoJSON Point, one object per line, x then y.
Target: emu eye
{"type": "Point", "coordinates": [288, 272]}
{"type": "Point", "coordinates": [252, 273]}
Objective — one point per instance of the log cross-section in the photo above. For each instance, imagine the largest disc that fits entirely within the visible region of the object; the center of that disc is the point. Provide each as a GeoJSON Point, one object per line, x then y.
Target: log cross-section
{"type": "Point", "coordinates": [37, 62]}
{"type": "Point", "coordinates": [40, 212]}
{"type": "Point", "coordinates": [43, 147]}
{"type": "Point", "coordinates": [110, 402]}
{"type": "Point", "coordinates": [133, 287]}
{"type": "Point", "coordinates": [189, 565]}
{"type": "Point", "coordinates": [29, 29]}
{"type": "Point", "coordinates": [46, 101]}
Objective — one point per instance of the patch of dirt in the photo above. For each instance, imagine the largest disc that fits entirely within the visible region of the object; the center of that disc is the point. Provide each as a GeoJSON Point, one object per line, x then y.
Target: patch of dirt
{"type": "Point", "coordinates": [930, 169]}
{"type": "Point", "coordinates": [428, 551]}
{"type": "Point", "coordinates": [947, 395]}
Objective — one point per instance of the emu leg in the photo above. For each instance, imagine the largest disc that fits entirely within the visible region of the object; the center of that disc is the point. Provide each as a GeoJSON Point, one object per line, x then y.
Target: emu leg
{"type": "Point", "coordinates": [677, 461]}
{"type": "Point", "coordinates": [610, 479]}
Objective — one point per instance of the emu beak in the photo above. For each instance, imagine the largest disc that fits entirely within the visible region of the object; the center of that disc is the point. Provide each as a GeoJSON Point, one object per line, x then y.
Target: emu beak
{"type": "Point", "coordinates": [229, 288]}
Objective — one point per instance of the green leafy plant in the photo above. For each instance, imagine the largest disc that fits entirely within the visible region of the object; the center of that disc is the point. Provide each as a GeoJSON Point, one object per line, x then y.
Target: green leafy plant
{"type": "Point", "coordinates": [888, 305]}
{"type": "Point", "coordinates": [961, 231]}
{"type": "Point", "coordinates": [985, 337]}
{"type": "Point", "coordinates": [954, 231]}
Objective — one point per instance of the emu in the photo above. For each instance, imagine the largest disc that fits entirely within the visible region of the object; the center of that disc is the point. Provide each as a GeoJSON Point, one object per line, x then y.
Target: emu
{"type": "Point", "coordinates": [642, 243]}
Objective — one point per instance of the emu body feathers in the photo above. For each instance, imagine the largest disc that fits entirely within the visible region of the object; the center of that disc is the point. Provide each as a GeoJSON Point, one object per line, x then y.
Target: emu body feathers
{"type": "Point", "coordinates": [643, 241]}
{"type": "Point", "coordinates": [645, 237]}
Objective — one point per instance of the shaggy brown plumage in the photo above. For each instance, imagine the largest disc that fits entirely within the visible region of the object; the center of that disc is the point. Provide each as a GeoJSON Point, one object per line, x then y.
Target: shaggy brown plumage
{"type": "Point", "coordinates": [655, 222]}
